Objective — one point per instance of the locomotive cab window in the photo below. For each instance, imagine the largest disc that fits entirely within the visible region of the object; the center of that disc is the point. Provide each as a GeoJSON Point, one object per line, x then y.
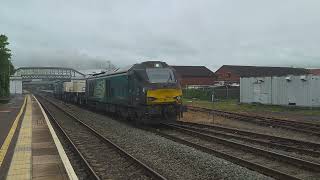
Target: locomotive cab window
{"type": "Point", "coordinates": [160, 75]}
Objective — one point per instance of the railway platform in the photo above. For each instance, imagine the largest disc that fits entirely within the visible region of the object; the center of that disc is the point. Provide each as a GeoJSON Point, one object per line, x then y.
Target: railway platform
{"type": "Point", "coordinates": [30, 149]}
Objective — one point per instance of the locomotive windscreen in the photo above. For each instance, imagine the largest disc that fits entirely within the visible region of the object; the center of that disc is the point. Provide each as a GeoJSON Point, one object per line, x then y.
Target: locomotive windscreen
{"type": "Point", "coordinates": [160, 75]}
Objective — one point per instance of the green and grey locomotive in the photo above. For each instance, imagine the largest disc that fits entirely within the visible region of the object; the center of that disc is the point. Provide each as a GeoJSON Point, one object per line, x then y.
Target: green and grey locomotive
{"type": "Point", "coordinates": [148, 92]}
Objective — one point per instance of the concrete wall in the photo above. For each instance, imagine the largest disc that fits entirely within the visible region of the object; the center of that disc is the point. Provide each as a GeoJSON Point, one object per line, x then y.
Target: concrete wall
{"type": "Point", "coordinates": [15, 85]}
{"type": "Point", "coordinates": [287, 90]}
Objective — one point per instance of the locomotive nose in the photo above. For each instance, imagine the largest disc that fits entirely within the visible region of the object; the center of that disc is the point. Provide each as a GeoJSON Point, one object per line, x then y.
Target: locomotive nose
{"type": "Point", "coordinates": [164, 96]}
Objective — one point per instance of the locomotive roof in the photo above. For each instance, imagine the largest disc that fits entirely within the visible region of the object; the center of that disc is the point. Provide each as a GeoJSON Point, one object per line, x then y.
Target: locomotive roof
{"type": "Point", "coordinates": [124, 69]}
{"type": "Point", "coordinates": [108, 73]}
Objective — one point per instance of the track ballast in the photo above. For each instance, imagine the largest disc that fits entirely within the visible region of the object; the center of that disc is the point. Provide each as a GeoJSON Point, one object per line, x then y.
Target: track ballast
{"type": "Point", "coordinates": [105, 158]}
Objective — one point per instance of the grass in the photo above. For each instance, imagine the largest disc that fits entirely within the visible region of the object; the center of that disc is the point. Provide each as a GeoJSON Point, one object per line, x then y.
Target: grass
{"type": "Point", "coordinates": [234, 106]}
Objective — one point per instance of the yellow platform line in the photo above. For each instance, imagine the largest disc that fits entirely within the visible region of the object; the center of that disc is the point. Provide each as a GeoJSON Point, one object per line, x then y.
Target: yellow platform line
{"type": "Point", "coordinates": [7, 142]}
{"type": "Point", "coordinates": [21, 163]}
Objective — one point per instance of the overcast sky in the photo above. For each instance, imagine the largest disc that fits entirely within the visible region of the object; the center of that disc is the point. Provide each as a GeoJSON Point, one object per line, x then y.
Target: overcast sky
{"type": "Point", "coordinates": [180, 32]}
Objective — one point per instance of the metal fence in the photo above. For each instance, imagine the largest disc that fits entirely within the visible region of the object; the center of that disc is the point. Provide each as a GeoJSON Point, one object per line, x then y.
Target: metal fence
{"type": "Point", "coordinates": [222, 92]}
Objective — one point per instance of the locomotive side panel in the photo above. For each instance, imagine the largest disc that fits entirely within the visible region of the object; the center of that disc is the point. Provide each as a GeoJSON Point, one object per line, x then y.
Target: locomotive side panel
{"type": "Point", "coordinates": [118, 90]}
{"type": "Point", "coordinates": [96, 90]}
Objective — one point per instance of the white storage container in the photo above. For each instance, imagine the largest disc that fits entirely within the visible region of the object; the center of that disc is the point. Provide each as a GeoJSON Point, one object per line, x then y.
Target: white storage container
{"type": "Point", "coordinates": [286, 90]}
{"type": "Point", "coordinates": [67, 87]}
{"type": "Point", "coordinates": [15, 85]}
{"type": "Point", "coordinates": [79, 86]}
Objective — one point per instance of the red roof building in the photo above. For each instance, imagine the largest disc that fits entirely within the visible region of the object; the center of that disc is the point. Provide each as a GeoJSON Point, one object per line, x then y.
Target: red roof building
{"type": "Point", "coordinates": [195, 76]}
{"type": "Point", "coordinates": [315, 71]}
{"type": "Point", "coordinates": [231, 74]}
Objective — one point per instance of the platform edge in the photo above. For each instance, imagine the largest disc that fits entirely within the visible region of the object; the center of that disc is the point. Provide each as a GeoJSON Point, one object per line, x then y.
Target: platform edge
{"type": "Point", "coordinates": [64, 158]}
{"type": "Point", "coordinates": [13, 128]}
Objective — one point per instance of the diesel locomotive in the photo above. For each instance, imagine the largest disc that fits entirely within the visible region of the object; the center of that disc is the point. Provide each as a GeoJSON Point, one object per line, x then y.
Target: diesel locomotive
{"type": "Point", "coordinates": [146, 92]}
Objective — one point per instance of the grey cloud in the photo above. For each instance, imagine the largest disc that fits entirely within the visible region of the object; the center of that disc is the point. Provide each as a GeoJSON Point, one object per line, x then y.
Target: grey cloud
{"type": "Point", "coordinates": [206, 32]}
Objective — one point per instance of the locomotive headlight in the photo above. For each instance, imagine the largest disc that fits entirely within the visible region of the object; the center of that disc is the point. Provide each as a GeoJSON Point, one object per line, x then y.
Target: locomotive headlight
{"type": "Point", "coordinates": [178, 98]}
{"type": "Point", "coordinates": [151, 98]}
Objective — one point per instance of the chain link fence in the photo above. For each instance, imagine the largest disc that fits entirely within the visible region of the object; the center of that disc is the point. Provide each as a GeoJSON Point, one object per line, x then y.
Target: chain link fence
{"type": "Point", "coordinates": [218, 93]}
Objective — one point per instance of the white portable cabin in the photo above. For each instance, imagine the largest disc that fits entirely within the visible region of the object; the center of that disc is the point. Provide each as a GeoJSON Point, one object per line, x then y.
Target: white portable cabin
{"type": "Point", "coordinates": [75, 86]}
{"type": "Point", "coordinates": [15, 85]}
{"type": "Point", "coordinates": [79, 85]}
{"type": "Point", "coordinates": [67, 87]}
{"type": "Point", "coordinates": [301, 90]}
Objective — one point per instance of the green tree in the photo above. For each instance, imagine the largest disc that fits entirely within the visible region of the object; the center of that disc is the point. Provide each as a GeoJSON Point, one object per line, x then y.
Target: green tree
{"type": "Point", "coordinates": [6, 67]}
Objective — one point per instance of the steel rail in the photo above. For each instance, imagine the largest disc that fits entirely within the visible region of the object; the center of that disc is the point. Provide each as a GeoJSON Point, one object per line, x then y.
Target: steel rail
{"type": "Point", "coordinates": [284, 158]}
{"type": "Point", "coordinates": [274, 141]}
{"type": "Point", "coordinates": [93, 174]}
{"type": "Point", "coordinates": [308, 124]}
{"type": "Point", "coordinates": [295, 162]}
{"type": "Point", "coordinates": [303, 127]}
{"type": "Point", "coordinates": [237, 160]}
{"type": "Point", "coordinates": [149, 171]}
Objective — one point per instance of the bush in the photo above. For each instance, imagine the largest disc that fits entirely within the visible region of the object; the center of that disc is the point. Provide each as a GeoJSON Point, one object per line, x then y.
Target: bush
{"type": "Point", "coordinates": [6, 68]}
{"type": "Point", "coordinates": [202, 94]}
{"type": "Point", "coordinates": [206, 94]}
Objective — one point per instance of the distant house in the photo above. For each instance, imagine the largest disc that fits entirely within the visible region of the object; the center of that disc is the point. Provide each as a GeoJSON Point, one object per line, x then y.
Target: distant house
{"type": "Point", "coordinates": [230, 74]}
{"type": "Point", "coordinates": [315, 71]}
{"type": "Point", "coordinates": [195, 76]}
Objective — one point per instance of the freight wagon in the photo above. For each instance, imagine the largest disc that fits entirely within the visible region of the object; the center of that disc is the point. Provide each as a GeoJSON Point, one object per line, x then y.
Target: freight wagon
{"type": "Point", "coordinates": [74, 91]}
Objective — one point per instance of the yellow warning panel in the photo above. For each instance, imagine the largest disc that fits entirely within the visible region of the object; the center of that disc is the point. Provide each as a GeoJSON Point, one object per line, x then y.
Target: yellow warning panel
{"type": "Point", "coordinates": [7, 142]}
{"type": "Point", "coordinates": [20, 166]}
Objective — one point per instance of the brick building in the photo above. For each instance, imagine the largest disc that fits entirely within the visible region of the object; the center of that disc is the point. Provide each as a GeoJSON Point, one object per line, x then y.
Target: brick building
{"type": "Point", "coordinates": [230, 74]}
{"type": "Point", "coordinates": [315, 71]}
{"type": "Point", "coordinates": [195, 76]}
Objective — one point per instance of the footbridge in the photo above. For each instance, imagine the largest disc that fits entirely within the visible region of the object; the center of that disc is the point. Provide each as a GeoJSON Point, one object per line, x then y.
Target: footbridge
{"type": "Point", "coordinates": [48, 73]}
{"type": "Point", "coordinates": [38, 78]}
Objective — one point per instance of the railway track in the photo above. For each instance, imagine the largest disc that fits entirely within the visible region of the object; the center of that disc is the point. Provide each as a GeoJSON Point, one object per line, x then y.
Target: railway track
{"type": "Point", "coordinates": [291, 145]}
{"type": "Point", "coordinates": [303, 127]}
{"type": "Point", "coordinates": [270, 163]}
{"type": "Point", "coordinates": [86, 171]}
{"type": "Point", "coordinates": [103, 158]}
{"type": "Point", "coordinates": [274, 165]}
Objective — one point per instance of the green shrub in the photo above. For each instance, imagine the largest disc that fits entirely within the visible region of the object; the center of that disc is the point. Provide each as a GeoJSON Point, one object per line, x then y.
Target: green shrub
{"type": "Point", "coordinates": [6, 67]}
{"type": "Point", "coordinates": [202, 94]}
